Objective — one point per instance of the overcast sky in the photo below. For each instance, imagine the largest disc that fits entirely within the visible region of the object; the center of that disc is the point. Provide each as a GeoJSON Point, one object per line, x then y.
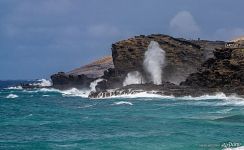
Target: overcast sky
{"type": "Point", "coordinates": [41, 37]}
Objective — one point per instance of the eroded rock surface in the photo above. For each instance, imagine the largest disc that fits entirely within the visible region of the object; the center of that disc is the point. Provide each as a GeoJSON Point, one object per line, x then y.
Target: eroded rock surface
{"type": "Point", "coordinates": [183, 57]}
{"type": "Point", "coordinates": [82, 77]}
{"type": "Point", "coordinates": [226, 70]}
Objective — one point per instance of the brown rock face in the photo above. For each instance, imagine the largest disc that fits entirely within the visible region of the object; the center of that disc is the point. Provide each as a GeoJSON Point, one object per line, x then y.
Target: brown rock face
{"type": "Point", "coordinates": [183, 57]}
{"type": "Point", "coordinates": [226, 70]}
{"type": "Point", "coordinates": [94, 69]}
{"type": "Point", "coordinates": [82, 77]}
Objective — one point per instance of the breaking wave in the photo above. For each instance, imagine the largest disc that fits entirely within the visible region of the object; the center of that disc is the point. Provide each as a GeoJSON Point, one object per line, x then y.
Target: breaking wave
{"type": "Point", "coordinates": [122, 103]}
{"type": "Point", "coordinates": [14, 88]}
{"type": "Point", "coordinates": [42, 83]}
{"type": "Point", "coordinates": [12, 96]}
{"type": "Point", "coordinates": [75, 93]}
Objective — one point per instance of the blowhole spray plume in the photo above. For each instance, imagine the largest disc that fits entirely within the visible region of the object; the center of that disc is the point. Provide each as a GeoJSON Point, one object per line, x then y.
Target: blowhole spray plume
{"type": "Point", "coordinates": [154, 62]}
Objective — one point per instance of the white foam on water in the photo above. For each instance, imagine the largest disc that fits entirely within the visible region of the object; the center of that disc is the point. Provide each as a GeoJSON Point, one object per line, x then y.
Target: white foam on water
{"type": "Point", "coordinates": [81, 93]}
{"type": "Point", "coordinates": [48, 90]}
{"type": "Point", "coordinates": [232, 100]}
{"type": "Point", "coordinates": [43, 83]}
{"type": "Point", "coordinates": [122, 103]}
{"type": "Point", "coordinates": [225, 111]}
{"type": "Point", "coordinates": [141, 95]}
{"type": "Point", "coordinates": [75, 93]}
{"type": "Point", "coordinates": [12, 96]}
{"type": "Point", "coordinates": [45, 95]}
{"type": "Point", "coordinates": [14, 88]}
{"type": "Point", "coordinates": [218, 96]}
{"type": "Point", "coordinates": [85, 106]}
{"type": "Point", "coordinates": [42, 90]}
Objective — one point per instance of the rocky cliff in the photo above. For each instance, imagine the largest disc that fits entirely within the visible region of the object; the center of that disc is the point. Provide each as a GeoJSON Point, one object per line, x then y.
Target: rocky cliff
{"type": "Point", "coordinates": [183, 57]}
{"type": "Point", "coordinates": [94, 69]}
{"type": "Point", "coordinates": [224, 71]}
{"type": "Point", "coordinates": [82, 77]}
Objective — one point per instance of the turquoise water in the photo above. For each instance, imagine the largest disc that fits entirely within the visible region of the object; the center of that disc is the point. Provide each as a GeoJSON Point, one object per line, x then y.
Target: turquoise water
{"type": "Point", "coordinates": [42, 119]}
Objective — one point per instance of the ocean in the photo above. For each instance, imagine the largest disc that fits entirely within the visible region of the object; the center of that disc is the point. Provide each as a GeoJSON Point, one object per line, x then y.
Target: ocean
{"type": "Point", "coordinates": [41, 119]}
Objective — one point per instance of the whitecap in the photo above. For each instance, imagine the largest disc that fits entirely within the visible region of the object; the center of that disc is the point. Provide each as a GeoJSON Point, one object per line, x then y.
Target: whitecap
{"type": "Point", "coordinates": [45, 95]}
{"type": "Point", "coordinates": [224, 111]}
{"type": "Point", "coordinates": [85, 106]}
{"type": "Point", "coordinates": [14, 88]}
{"type": "Point", "coordinates": [48, 90]}
{"type": "Point", "coordinates": [217, 96]}
{"type": "Point", "coordinates": [122, 103]}
{"type": "Point", "coordinates": [12, 96]}
{"type": "Point", "coordinates": [42, 90]}
{"type": "Point", "coordinates": [43, 83]}
{"type": "Point", "coordinates": [75, 93]}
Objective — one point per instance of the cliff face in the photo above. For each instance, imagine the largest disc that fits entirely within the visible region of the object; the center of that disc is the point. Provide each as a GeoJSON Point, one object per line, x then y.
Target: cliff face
{"type": "Point", "coordinates": [226, 70]}
{"type": "Point", "coordinates": [94, 69]}
{"type": "Point", "coordinates": [183, 57]}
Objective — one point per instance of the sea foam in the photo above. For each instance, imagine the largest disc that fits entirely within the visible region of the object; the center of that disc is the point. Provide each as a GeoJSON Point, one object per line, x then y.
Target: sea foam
{"type": "Point", "coordinates": [122, 103]}
{"type": "Point", "coordinates": [43, 83]}
{"type": "Point", "coordinates": [14, 88]}
{"type": "Point", "coordinates": [12, 96]}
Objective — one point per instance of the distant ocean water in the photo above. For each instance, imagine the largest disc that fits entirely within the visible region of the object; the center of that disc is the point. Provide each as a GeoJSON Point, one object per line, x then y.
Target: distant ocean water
{"type": "Point", "coordinates": [50, 119]}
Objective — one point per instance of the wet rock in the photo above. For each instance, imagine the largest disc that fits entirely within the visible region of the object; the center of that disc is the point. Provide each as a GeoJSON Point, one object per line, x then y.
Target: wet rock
{"type": "Point", "coordinates": [82, 77]}
{"type": "Point", "coordinates": [64, 81]}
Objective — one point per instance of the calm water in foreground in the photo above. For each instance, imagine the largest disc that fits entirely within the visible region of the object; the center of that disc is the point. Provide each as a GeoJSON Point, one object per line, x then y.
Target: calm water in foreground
{"type": "Point", "coordinates": [48, 119]}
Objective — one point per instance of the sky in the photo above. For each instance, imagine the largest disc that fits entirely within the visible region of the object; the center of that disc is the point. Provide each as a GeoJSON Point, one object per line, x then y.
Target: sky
{"type": "Point", "coordinates": [41, 37]}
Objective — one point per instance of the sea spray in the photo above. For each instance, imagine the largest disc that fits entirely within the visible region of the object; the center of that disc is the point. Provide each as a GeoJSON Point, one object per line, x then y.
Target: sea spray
{"type": "Point", "coordinates": [42, 83]}
{"type": "Point", "coordinates": [94, 84]}
{"type": "Point", "coordinates": [133, 77]}
{"type": "Point", "coordinates": [82, 93]}
{"type": "Point", "coordinates": [154, 62]}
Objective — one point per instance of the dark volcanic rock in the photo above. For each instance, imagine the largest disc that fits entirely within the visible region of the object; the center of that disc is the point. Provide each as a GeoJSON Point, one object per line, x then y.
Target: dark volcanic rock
{"type": "Point", "coordinates": [166, 89]}
{"type": "Point", "coordinates": [82, 77]}
{"type": "Point", "coordinates": [183, 57]}
{"type": "Point", "coordinates": [226, 70]}
{"type": "Point", "coordinates": [63, 81]}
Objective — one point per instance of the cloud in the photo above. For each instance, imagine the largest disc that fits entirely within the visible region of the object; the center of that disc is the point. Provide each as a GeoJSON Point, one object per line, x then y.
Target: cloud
{"type": "Point", "coordinates": [183, 24]}
{"type": "Point", "coordinates": [228, 33]}
{"type": "Point", "coordinates": [103, 30]}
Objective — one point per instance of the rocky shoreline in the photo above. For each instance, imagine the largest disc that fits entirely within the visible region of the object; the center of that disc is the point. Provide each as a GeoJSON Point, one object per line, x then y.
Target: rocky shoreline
{"type": "Point", "coordinates": [194, 67]}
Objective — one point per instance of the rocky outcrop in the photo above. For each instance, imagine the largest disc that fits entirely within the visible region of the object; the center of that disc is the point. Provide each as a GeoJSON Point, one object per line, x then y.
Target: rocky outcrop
{"type": "Point", "coordinates": [64, 81]}
{"type": "Point", "coordinates": [183, 57]}
{"type": "Point", "coordinates": [166, 89]}
{"type": "Point", "coordinates": [225, 71]}
{"type": "Point", "coordinates": [95, 69]}
{"type": "Point", "coordinates": [82, 77]}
